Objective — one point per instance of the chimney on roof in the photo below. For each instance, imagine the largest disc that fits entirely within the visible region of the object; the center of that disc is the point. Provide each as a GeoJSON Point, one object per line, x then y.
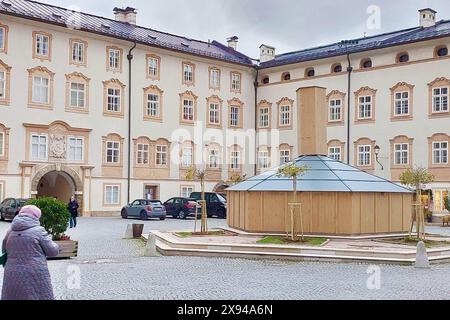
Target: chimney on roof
{"type": "Point", "coordinates": [427, 17]}
{"type": "Point", "coordinates": [267, 53]}
{"type": "Point", "coordinates": [233, 42]}
{"type": "Point", "coordinates": [127, 15]}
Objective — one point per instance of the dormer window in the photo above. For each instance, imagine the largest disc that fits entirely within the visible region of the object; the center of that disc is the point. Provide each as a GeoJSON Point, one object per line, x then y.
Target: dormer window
{"type": "Point", "coordinates": [266, 80]}
{"type": "Point", "coordinates": [286, 76]}
{"type": "Point", "coordinates": [366, 63]}
{"type": "Point", "coordinates": [441, 51]}
{"type": "Point", "coordinates": [402, 57]}
{"type": "Point", "coordinates": [336, 68]}
{"type": "Point", "coordinates": [310, 73]}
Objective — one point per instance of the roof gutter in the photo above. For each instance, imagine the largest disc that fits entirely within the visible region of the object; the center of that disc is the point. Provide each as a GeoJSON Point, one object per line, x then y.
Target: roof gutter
{"type": "Point", "coordinates": [130, 59]}
{"type": "Point", "coordinates": [349, 86]}
{"type": "Point", "coordinates": [256, 122]}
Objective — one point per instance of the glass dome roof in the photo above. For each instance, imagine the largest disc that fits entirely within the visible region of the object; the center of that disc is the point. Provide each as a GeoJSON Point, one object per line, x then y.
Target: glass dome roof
{"type": "Point", "coordinates": [323, 175]}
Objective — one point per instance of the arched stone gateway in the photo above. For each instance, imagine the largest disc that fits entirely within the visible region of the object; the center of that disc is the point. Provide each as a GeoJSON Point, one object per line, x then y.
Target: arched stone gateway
{"type": "Point", "coordinates": [58, 181]}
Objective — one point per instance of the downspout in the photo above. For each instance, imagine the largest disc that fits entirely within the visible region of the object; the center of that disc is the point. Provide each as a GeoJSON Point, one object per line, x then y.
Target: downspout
{"type": "Point", "coordinates": [256, 122]}
{"type": "Point", "coordinates": [349, 82]}
{"type": "Point", "coordinates": [130, 58]}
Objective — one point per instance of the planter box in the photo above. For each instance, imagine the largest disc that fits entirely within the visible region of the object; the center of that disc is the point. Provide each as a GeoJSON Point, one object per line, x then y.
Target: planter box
{"type": "Point", "coordinates": [68, 249]}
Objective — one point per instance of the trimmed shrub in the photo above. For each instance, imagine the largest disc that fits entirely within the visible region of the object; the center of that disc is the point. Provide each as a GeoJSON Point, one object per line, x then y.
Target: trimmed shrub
{"type": "Point", "coordinates": [55, 215]}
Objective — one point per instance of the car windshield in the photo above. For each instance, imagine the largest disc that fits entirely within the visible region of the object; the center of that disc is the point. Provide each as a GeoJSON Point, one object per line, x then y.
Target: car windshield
{"type": "Point", "coordinates": [22, 203]}
{"type": "Point", "coordinates": [221, 198]}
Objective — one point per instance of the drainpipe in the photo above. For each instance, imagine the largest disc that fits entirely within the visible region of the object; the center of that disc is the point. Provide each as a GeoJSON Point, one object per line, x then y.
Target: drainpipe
{"type": "Point", "coordinates": [349, 82]}
{"type": "Point", "coordinates": [130, 58]}
{"type": "Point", "coordinates": [256, 122]}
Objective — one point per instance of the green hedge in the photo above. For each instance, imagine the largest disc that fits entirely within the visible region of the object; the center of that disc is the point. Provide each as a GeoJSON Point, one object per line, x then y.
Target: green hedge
{"type": "Point", "coordinates": [55, 215]}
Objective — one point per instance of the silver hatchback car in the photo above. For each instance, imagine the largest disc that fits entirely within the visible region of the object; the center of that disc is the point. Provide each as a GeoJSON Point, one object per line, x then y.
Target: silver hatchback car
{"type": "Point", "coordinates": [144, 209]}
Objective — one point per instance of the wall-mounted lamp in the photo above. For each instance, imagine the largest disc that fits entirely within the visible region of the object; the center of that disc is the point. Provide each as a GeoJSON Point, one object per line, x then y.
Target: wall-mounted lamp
{"type": "Point", "coordinates": [377, 153]}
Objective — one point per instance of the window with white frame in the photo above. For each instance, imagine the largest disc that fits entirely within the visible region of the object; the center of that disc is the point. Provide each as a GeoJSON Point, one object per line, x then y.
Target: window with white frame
{"type": "Point", "coordinates": [235, 160]}
{"type": "Point", "coordinates": [188, 73]}
{"type": "Point", "coordinates": [440, 152]}
{"type": "Point", "coordinates": [112, 152]}
{"type": "Point", "coordinates": [153, 67]}
{"type": "Point", "coordinates": [213, 159]}
{"type": "Point", "coordinates": [335, 110]}
{"type": "Point", "coordinates": [401, 103]}
{"type": "Point", "coordinates": [285, 156]}
{"type": "Point", "coordinates": [77, 94]}
{"type": "Point", "coordinates": [112, 194]}
{"type": "Point", "coordinates": [214, 113]}
{"type": "Point", "coordinates": [188, 110]}
{"type": "Point", "coordinates": [401, 153]}
{"type": "Point", "coordinates": [153, 105]}
{"type": "Point", "coordinates": [2, 144]}
{"type": "Point", "coordinates": [440, 99]}
{"type": "Point", "coordinates": [114, 58]}
{"type": "Point", "coordinates": [235, 82]}
{"type": "Point", "coordinates": [263, 159]}
{"type": "Point", "coordinates": [264, 117]}
{"type": "Point", "coordinates": [335, 153]}
{"type": "Point", "coordinates": [285, 115]}
{"type": "Point", "coordinates": [2, 84]}
{"type": "Point", "coordinates": [364, 155]}
{"type": "Point", "coordinates": [42, 45]}
{"type": "Point", "coordinates": [78, 52]}
{"type": "Point", "coordinates": [41, 88]}
{"type": "Point", "coordinates": [39, 147]}
{"type": "Point", "coordinates": [142, 153]}
{"type": "Point", "coordinates": [188, 157]}
{"type": "Point", "coordinates": [365, 107]}
{"type": "Point", "coordinates": [214, 78]}
{"type": "Point", "coordinates": [186, 191]}
{"type": "Point", "coordinates": [114, 96]}
{"type": "Point", "coordinates": [76, 145]}
{"type": "Point", "coordinates": [161, 155]}
{"type": "Point", "coordinates": [234, 116]}
{"type": "Point", "coordinates": [2, 41]}
{"type": "Point", "coordinates": [1, 191]}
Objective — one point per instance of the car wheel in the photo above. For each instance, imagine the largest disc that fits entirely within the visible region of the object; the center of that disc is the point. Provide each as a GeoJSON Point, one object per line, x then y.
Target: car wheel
{"type": "Point", "coordinates": [182, 215]}
{"type": "Point", "coordinates": [124, 214]}
{"type": "Point", "coordinates": [143, 215]}
{"type": "Point", "coordinates": [222, 214]}
{"type": "Point", "coordinates": [162, 219]}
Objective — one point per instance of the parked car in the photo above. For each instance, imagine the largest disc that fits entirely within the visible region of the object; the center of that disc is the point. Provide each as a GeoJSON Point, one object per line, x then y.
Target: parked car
{"type": "Point", "coordinates": [144, 209]}
{"type": "Point", "coordinates": [10, 207]}
{"type": "Point", "coordinates": [182, 208]}
{"type": "Point", "coordinates": [216, 204]}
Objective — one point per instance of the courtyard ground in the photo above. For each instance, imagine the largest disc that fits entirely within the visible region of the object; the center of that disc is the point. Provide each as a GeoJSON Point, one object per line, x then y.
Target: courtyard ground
{"type": "Point", "coordinates": [109, 267]}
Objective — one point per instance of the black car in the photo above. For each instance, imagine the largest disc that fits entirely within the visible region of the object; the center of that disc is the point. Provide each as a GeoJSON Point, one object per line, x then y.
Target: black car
{"type": "Point", "coordinates": [10, 207]}
{"type": "Point", "coordinates": [182, 208]}
{"type": "Point", "coordinates": [216, 204]}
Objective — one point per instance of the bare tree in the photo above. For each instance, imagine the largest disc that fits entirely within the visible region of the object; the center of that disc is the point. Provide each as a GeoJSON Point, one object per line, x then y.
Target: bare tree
{"type": "Point", "coordinates": [195, 174]}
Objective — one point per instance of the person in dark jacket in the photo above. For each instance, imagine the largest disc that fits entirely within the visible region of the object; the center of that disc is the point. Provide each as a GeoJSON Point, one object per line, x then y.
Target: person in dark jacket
{"type": "Point", "coordinates": [73, 209]}
{"type": "Point", "coordinates": [28, 245]}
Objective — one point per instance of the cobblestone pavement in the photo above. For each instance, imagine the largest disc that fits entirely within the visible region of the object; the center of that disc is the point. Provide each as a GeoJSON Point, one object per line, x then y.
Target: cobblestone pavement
{"type": "Point", "coordinates": [113, 268]}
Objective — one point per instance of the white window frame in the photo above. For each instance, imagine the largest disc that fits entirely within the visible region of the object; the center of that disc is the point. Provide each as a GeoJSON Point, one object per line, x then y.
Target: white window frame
{"type": "Point", "coordinates": [2, 188]}
{"type": "Point", "coordinates": [114, 188]}
{"type": "Point", "coordinates": [214, 113]}
{"type": "Point", "coordinates": [2, 84]}
{"type": "Point", "coordinates": [264, 117]}
{"type": "Point", "coordinates": [365, 108]}
{"type": "Point", "coordinates": [213, 158]}
{"type": "Point", "coordinates": [142, 153]}
{"type": "Point", "coordinates": [285, 115]}
{"type": "Point", "coordinates": [441, 98]}
{"type": "Point", "coordinates": [42, 45]}
{"type": "Point", "coordinates": [2, 144]}
{"type": "Point", "coordinates": [185, 191]}
{"type": "Point", "coordinates": [235, 160]}
{"type": "Point", "coordinates": [114, 58]}
{"type": "Point", "coordinates": [188, 110]}
{"type": "Point", "coordinates": [115, 151]}
{"type": "Point", "coordinates": [401, 103]}
{"type": "Point", "coordinates": [78, 94]}
{"type": "Point", "coordinates": [401, 153]}
{"type": "Point", "coordinates": [39, 145]}
{"type": "Point", "coordinates": [187, 159]}
{"type": "Point", "coordinates": [234, 116]}
{"type": "Point", "coordinates": [113, 99]}
{"type": "Point", "coordinates": [78, 49]}
{"type": "Point", "coordinates": [41, 88]}
{"type": "Point", "coordinates": [75, 148]}
{"type": "Point", "coordinates": [335, 110]}
{"type": "Point", "coordinates": [2, 38]}
{"type": "Point", "coordinates": [214, 78]}
{"type": "Point", "coordinates": [153, 66]}
{"type": "Point", "coordinates": [364, 155]}
{"type": "Point", "coordinates": [236, 82]}
{"type": "Point", "coordinates": [153, 106]}
{"type": "Point", "coordinates": [335, 153]}
{"type": "Point", "coordinates": [285, 156]}
{"type": "Point", "coordinates": [263, 159]}
{"type": "Point", "coordinates": [161, 155]}
{"type": "Point", "coordinates": [442, 152]}
{"type": "Point", "coordinates": [188, 73]}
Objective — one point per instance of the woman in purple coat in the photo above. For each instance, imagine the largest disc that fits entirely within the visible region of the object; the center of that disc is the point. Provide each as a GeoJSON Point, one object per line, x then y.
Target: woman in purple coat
{"type": "Point", "coordinates": [28, 245]}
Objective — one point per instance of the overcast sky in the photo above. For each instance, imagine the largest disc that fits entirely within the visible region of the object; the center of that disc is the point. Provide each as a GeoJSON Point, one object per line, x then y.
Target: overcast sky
{"type": "Point", "coordinates": [288, 25]}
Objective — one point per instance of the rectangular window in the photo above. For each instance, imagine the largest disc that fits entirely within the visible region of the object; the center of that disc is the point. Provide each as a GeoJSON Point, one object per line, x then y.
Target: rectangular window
{"type": "Point", "coordinates": [41, 89]}
{"type": "Point", "coordinates": [114, 100]}
{"type": "Point", "coordinates": [75, 149]}
{"type": "Point", "coordinates": [235, 82]}
{"type": "Point", "coordinates": [2, 144]}
{"type": "Point", "coordinates": [42, 45]}
{"type": "Point", "coordinates": [112, 152]}
{"type": "Point", "coordinates": [161, 155]}
{"type": "Point", "coordinates": [334, 153]}
{"type": "Point", "coordinates": [440, 152]}
{"type": "Point", "coordinates": [264, 117]}
{"type": "Point", "coordinates": [401, 102]}
{"type": "Point", "coordinates": [188, 158]}
{"type": "Point", "coordinates": [214, 114]}
{"type": "Point", "coordinates": [153, 67]}
{"type": "Point", "coordinates": [186, 191]}
{"type": "Point", "coordinates": [188, 73]}
{"type": "Point", "coordinates": [188, 110]}
{"type": "Point", "coordinates": [39, 147]}
{"type": "Point", "coordinates": [235, 160]}
{"type": "Point", "coordinates": [112, 195]}
{"type": "Point", "coordinates": [335, 110]}
{"type": "Point", "coordinates": [440, 99]}
{"type": "Point", "coordinates": [234, 116]}
{"type": "Point", "coordinates": [78, 52]}
{"type": "Point", "coordinates": [213, 159]}
{"type": "Point", "coordinates": [114, 59]}
{"type": "Point", "coordinates": [77, 94]}
{"type": "Point", "coordinates": [285, 115]}
{"type": "Point", "coordinates": [142, 153]}
{"type": "Point", "coordinates": [401, 154]}
{"type": "Point", "coordinates": [2, 84]}
{"type": "Point", "coordinates": [2, 41]}
{"type": "Point", "coordinates": [263, 159]}
{"type": "Point", "coordinates": [365, 107]}
{"type": "Point", "coordinates": [285, 156]}
{"type": "Point", "coordinates": [364, 154]}
{"type": "Point", "coordinates": [1, 192]}
{"type": "Point", "coordinates": [153, 109]}
{"type": "Point", "coordinates": [214, 78]}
